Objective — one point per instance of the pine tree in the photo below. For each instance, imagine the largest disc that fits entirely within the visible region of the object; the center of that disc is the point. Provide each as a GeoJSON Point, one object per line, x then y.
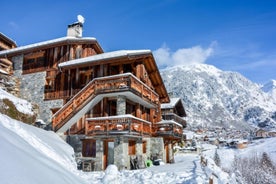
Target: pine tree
{"type": "Point", "coordinates": [267, 164]}
{"type": "Point", "coordinates": [266, 161]}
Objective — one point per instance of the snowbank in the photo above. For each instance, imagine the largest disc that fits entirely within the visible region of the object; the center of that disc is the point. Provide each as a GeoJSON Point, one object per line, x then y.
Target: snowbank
{"type": "Point", "coordinates": [21, 105]}
{"type": "Point", "coordinates": [31, 155]}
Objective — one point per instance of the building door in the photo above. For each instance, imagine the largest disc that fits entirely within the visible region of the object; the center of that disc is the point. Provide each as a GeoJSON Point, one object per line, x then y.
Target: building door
{"type": "Point", "coordinates": [108, 153]}
{"type": "Point", "coordinates": [167, 152]}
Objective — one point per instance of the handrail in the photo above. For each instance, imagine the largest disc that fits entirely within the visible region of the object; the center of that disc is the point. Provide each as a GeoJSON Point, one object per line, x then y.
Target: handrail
{"type": "Point", "coordinates": [113, 125]}
{"type": "Point", "coordinates": [167, 129]}
{"type": "Point", "coordinates": [102, 85]}
{"type": "Point", "coordinates": [175, 117]}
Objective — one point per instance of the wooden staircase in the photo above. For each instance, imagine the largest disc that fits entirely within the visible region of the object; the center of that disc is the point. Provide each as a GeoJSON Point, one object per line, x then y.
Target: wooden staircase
{"type": "Point", "coordinates": [94, 92]}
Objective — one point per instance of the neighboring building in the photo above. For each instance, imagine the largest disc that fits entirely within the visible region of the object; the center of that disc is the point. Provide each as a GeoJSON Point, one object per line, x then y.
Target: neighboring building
{"type": "Point", "coordinates": [5, 44]}
{"type": "Point", "coordinates": [260, 133]}
{"type": "Point", "coordinates": [172, 124]}
{"type": "Point", "coordinates": [111, 106]}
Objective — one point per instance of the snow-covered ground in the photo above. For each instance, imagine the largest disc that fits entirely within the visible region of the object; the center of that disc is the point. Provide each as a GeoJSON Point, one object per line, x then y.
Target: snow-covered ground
{"type": "Point", "coordinates": [257, 147]}
{"type": "Point", "coordinates": [32, 155]}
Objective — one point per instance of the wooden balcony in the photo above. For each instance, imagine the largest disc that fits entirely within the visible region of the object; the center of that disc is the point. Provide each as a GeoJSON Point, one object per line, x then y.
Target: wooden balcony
{"type": "Point", "coordinates": [127, 125]}
{"type": "Point", "coordinates": [174, 117]}
{"type": "Point", "coordinates": [101, 87]}
{"type": "Point", "coordinates": [168, 129]}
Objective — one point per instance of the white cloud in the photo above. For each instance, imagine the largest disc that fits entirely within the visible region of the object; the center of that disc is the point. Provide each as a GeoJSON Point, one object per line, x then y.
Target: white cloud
{"type": "Point", "coordinates": [183, 56]}
{"type": "Point", "coordinates": [13, 25]}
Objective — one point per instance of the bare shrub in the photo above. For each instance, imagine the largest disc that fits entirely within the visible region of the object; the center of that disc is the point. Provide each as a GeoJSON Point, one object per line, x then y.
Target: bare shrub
{"type": "Point", "coordinates": [255, 169]}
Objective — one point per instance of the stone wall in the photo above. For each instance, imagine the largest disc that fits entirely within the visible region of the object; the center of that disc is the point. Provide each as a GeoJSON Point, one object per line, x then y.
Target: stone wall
{"type": "Point", "coordinates": [99, 155]}
{"type": "Point", "coordinates": [121, 157]}
{"type": "Point", "coordinates": [121, 105]}
{"type": "Point", "coordinates": [156, 147]}
{"type": "Point", "coordinates": [32, 89]}
{"type": "Point", "coordinates": [75, 142]}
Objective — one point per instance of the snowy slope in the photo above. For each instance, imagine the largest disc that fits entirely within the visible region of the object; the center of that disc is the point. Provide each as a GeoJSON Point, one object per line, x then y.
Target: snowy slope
{"type": "Point", "coordinates": [215, 97]}
{"type": "Point", "coordinates": [22, 105]}
{"type": "Point", "coordinates": [32, 155]}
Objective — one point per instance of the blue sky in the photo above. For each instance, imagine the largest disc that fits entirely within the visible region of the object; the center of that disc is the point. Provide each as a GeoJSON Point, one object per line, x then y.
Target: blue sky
{"type": "Point", "coordinates": [235, 35]}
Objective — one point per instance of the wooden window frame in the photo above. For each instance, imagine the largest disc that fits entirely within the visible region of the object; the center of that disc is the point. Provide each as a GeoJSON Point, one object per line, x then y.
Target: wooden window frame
{"type": "Point", "coordinates": [131, 147]}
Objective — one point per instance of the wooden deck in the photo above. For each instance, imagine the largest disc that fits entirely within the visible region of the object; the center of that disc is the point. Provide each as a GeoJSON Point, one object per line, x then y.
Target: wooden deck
{"type": "Point", "coordinates": [168, 130]}
{"type": "Point", "coordinates": [101, 86]}
{"type": "Point", "coordinates": [117, 125]}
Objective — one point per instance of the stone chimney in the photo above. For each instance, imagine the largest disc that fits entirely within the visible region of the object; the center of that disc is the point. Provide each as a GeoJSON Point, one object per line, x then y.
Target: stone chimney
{"type": "Point", "coordinates": [75, 30]}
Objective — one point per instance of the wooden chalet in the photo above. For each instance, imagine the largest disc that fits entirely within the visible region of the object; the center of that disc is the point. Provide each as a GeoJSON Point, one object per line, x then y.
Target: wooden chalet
{"type": "Point", "coordinates": [171, 125]}
{"type": "Point", "coordinates": [5, 44]}
{"type": "Point", "coordinates": [111, 106]}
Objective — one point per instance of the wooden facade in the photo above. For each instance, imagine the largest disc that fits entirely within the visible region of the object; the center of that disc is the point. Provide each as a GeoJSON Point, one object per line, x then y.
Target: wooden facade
{"type": "Point", "coordinates": [106, 96]}
{"type": "Point", "coordinates": [6, 44]}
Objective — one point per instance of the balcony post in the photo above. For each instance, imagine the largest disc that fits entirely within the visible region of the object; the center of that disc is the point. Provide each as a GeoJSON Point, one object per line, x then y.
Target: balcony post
{"type": "Point", "coordinates": [121, 105]}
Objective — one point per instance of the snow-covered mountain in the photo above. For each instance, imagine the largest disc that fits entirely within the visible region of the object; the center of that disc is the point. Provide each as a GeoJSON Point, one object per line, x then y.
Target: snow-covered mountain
{"type": "Point", "coordinates": [219, 98]}
{"type": "Point", "coordinates": [270, 88]}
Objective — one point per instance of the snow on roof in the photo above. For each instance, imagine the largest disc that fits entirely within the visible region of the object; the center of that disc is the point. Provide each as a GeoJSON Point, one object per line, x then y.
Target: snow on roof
{"type": "Point", "coordinates": [7, 38]}
{"type": "Point", "coordinates": [172, 104]}
{"type": "Point", "coordinates": [3, 71]}
{"type": "Point", "coordinates": [169, 122]}
{"type": "Point", "coordinates": [49, 42]}
{"type": "Point", "coordinates": [104, 56]}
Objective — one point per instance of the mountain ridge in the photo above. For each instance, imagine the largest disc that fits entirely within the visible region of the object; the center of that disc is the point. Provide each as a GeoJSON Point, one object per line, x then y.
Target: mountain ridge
{"type": "Point", "coordinates": [220, 98]}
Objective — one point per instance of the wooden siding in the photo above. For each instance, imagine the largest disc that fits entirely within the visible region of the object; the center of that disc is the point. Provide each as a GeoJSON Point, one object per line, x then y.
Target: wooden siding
{"type": "Point", "coordinates": [49, 58]}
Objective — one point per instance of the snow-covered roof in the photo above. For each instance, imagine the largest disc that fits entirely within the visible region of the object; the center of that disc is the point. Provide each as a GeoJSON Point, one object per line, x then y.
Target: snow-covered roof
{"type": "Point", "coordinates": [7, 38]}
{"type": "Point", "coordinates": [45, 43]}
{"type": "Point", "coordinates": [169, 122]}
{"type": "Point", "coordinates": [172, 104]}
{"type": "Point", "coordinates": [175, 103]}
{"type": "Point", "coordinates": [3, 71]}
{"type": "Point", "coordinates": [104, 56]}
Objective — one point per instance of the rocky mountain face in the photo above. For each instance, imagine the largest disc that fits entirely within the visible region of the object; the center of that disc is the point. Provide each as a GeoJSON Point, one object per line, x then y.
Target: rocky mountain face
{"type": "Point", "coordinates": [270, 88]}
{"type": "Point", "coordinates": [213, 97]}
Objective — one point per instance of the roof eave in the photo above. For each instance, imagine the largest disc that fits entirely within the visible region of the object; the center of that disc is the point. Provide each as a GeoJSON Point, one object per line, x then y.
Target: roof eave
{"type": "Point", "coordinates": [45, 44]}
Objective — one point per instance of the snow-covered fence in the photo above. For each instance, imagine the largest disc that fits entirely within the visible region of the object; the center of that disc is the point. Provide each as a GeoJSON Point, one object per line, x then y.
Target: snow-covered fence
{"type": "Point", "coordinates": [203, 161]}
{"type": "Point", "coordinates": [213, 179]}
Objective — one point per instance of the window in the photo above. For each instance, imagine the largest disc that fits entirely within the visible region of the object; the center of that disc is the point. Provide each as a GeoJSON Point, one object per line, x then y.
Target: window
{"type": "Point", "coordinates": [89, 148]}
{"type": "Point", "coordinates": [131, 147]}
{"type": "Point", "coordinates": [127, 68]}
{"type": "Point", "coordinates": [144, 146]}
{"type": "Point", "coordinates": [114, 70]}
{"type": "Point", "coordinates": [34, 62]}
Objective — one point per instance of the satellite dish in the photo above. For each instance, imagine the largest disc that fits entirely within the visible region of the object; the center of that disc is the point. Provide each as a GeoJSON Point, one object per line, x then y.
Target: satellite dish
{"type": "Point", "coordinates": [80, 19]}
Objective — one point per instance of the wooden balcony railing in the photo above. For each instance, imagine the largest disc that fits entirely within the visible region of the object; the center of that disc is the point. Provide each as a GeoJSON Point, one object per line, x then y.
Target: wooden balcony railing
{"type": "Point", "coordinates": [103, 85]}
{"type": "Point", "coordinates": [176, 118]}
{"type": "Point", "coordinates": [167, 129]}
{"type": "Point", "coordinates": [117, 125]}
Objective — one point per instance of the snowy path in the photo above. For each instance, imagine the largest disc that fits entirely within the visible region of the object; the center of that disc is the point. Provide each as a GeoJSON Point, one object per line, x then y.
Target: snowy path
{"type": "Point", "coordinates": [186, 169]}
